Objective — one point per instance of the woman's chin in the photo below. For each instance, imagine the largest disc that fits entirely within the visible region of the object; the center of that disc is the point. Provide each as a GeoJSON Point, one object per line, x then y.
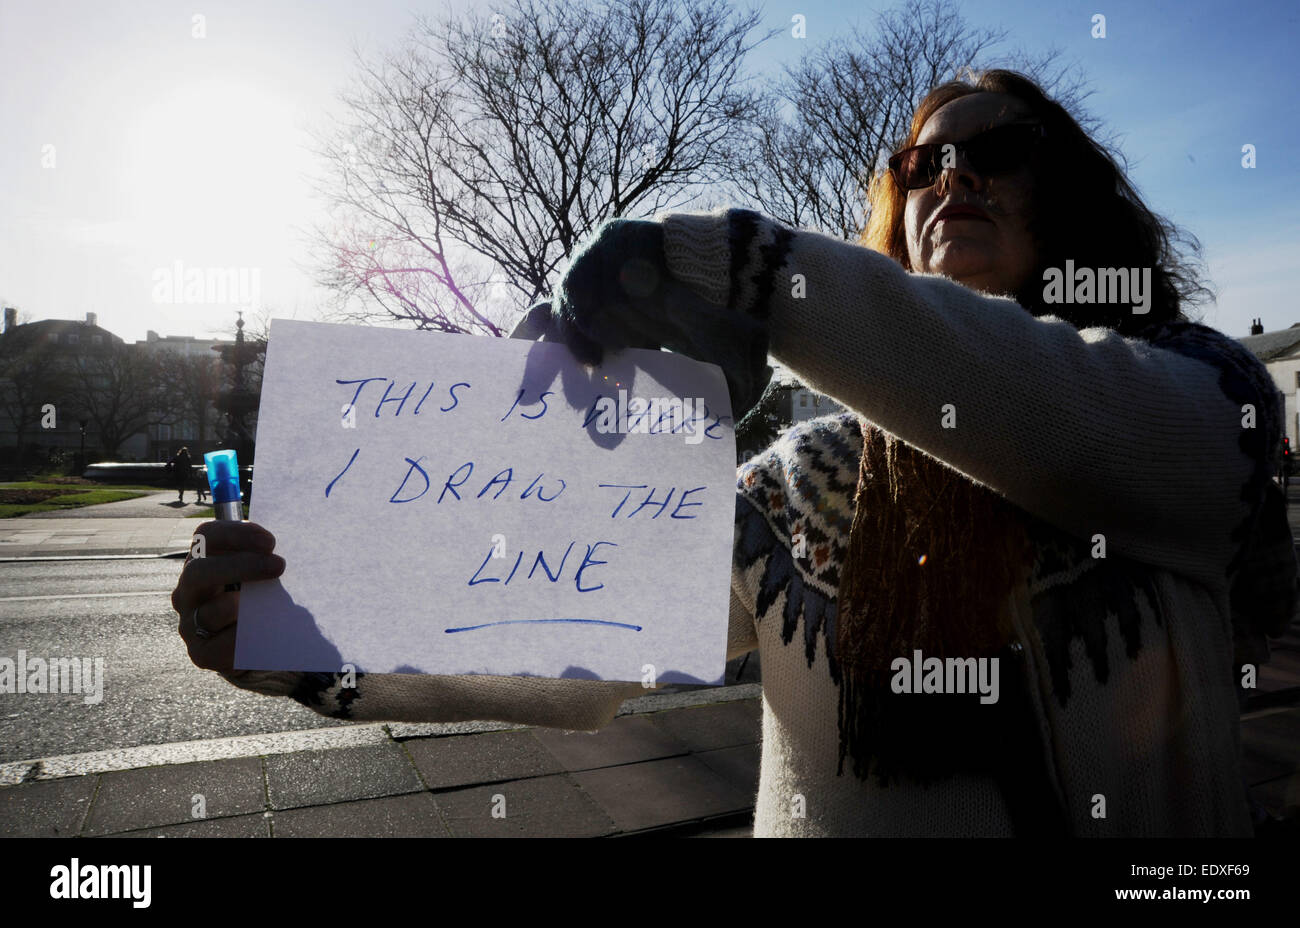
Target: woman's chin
{"type": "Point", "coordinates": [976, 275]}
{"type": "Point", "coordinates": [963, 260]}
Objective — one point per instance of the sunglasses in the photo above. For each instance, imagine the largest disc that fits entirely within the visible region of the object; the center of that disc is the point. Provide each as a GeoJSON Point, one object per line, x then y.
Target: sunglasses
{"type": "Point", "coordinates": [994, 151]}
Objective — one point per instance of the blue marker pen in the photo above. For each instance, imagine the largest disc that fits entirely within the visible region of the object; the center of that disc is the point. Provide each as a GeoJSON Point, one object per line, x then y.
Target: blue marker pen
{"type": "Point", "coordinates": [223, 480]}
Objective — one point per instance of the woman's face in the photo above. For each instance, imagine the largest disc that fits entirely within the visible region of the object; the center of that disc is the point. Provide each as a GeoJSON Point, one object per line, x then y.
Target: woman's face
{"type": "Point", "coordinates": [994, 256]}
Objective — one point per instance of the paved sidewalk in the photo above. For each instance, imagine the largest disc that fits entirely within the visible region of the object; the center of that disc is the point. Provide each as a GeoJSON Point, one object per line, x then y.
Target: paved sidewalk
{"type": "Point", "coordinates": [153, 524]}
{"type": "Point", "coordinates": [680, 771]}
{"type": "Point", "coordinates": [1270, 731]}
{"type": "Point", "coordinates": [67, 537]}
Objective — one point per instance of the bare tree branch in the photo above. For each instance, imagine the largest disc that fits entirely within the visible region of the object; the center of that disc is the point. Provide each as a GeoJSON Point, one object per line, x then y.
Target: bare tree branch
{"type": "Point", "coordinates": [828, 124]}
{"type": "Point", "coordinates": [479, 155]}
{"type": "Point", "coordinates": [116, 388]}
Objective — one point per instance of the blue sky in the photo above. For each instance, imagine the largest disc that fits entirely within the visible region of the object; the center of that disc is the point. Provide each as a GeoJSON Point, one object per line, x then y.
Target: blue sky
{"type": "Point", "coordinates": [168, 147]}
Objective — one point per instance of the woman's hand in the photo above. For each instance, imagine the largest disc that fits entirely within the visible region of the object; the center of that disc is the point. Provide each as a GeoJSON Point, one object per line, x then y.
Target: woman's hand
{"type": "Point", "coordinates": [618, 293]}
{"type": "Point", "coordinates": [612, 295]}
{"type": "Point", "coordinates": [233, 552]}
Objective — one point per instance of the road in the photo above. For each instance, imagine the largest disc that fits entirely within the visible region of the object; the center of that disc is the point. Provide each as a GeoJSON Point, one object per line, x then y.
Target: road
{"type": "Point", "coordinates": [119, 610]}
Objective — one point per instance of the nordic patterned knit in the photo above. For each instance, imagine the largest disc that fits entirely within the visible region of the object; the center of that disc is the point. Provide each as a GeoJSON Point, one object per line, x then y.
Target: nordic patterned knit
{"type": "Point", "coordinates": [1128, 659]}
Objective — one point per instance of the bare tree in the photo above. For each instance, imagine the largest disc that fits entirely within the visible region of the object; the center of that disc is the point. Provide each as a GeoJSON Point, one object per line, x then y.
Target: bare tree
{"type": "Point", "coordinates": [258, 335]}
{"type": "Point", "coordinates": [117, 389]}
{"type": "Point", "coordinates": [29, 379]}
{"type": "Point", "coordinates": [831, 121]}
{"type": "Point", "coordinates": [190, 388]}
{"type": "Point", "coordinates": [482, 153]}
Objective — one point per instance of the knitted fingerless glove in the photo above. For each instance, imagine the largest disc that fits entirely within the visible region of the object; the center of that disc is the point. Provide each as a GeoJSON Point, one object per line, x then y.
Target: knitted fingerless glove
{"type": "Point", "coordinates": [624, 289]}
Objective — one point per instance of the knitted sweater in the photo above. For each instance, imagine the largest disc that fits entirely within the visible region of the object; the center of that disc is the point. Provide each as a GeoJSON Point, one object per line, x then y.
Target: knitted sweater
{"type": "Point", "coordinates": [1128, 658]}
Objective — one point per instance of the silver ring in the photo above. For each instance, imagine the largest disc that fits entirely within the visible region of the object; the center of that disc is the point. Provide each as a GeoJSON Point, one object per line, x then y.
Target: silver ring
{"type": "Point", "coordinates": [199, 630]}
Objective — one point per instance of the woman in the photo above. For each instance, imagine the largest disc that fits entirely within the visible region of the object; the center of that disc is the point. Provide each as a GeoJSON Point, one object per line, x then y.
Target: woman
{"type": "Point", "coordinates": [1060, 498]}
{"type": "Point", "coordinates": [182, 468]}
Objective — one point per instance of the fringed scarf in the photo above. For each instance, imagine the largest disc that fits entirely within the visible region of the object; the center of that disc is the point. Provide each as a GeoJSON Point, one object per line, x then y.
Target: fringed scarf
{"type": "Point", "coordinates": [932, 562]}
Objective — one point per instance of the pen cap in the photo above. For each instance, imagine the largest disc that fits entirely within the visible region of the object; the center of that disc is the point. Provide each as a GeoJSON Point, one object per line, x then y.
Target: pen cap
{"type": "Point", "coordinates": [223, 475]}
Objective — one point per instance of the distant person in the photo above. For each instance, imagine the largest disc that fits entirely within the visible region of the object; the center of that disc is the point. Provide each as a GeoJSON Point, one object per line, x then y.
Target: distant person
{"type": "Point", "coordinates": [182, 468]}
{"type": "Point", "coordinates": [1008, 491]}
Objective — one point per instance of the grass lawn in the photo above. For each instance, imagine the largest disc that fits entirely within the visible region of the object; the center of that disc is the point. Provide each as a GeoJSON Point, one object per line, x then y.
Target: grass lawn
{"type": "Point", "coordinates": [28, 496]}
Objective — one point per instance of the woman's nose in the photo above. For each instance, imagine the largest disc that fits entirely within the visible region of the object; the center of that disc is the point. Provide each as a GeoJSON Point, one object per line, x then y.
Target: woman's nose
{"type": "Point", "coordinates": [961, 172]}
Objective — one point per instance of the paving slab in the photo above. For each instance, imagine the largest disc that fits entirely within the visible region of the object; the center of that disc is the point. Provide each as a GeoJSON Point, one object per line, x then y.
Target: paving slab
{"type": "Point", "coordinates": [238, 826]}
{"type": "Point", "coordinates": [738, 765]}
{"type": "Point", "coordinates": [1279, 795]}
{"type": "Point", "coordinates": [129, 800]}
{"type": "Point", "coordinates": [1281, 672]}
{"type": "Point", "coordinates": [413, 815]}
{"type": "Point", "coordinates": [312, 778]}
{"type": "Point", "coordinates": [1268, 742]}
{"type": "Point", "coordinates": [706, 728]}
{"type": "Point", "coordinates": [45, 809]}
{"type": "Point", "coordinates": [542, 807]}
{"type": "Point", "coordinates": [739, 831]}
{"type": "Point", "coordinates": [465, 760]}
{"type": "Point", "coordinates": [661, 792]}
{"type": "Point", "coordinates": [59, 534]}
{"type": "Point", "coordinates": [625, 740]}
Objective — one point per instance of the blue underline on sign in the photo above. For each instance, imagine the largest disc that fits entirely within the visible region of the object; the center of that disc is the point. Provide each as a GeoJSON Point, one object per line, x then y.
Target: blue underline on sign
{"type": "Point", "coordinates": [470, 628]}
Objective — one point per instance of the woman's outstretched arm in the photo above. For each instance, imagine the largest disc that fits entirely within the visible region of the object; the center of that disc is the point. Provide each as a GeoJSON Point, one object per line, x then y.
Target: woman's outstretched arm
{"type": "Point", "coordinates": [574, 705]}
{"type": "Point", "coordinates": [1164, 446]}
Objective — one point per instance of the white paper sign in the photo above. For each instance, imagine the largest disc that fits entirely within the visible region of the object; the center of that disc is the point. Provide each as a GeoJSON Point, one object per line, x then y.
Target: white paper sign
{"type": "Point", "coordinates": [453, 504]}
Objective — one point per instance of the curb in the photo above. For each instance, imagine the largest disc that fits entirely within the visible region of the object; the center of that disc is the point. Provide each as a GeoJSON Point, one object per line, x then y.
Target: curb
{"type": "Point", "coordinates": [138, 556]}
{"type": "Point", "coordinates": [14, 773]}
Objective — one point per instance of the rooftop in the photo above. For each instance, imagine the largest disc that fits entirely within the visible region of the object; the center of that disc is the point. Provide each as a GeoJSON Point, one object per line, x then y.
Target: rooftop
{"type": "Point", "coordinates": [1272, 345]}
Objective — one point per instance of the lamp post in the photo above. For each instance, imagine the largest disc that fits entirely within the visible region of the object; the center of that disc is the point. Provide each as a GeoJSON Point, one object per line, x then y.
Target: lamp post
{"type": "Point", "coordinates": [81, 454]}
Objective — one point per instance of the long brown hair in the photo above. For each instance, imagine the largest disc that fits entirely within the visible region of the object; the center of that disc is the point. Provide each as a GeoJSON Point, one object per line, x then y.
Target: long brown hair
{"type": "Point", "coordinates": [935, 561]}
{"type": "Point", "coordinates": [1075, 176]}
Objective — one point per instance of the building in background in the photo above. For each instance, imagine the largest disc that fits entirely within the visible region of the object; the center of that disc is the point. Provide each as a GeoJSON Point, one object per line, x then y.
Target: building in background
{"type": "Point", "coordinates": [805, 404]}
{"type": "Point", "coordinates": [1280, 352]}
{"type": "Point", "coordinates": [68, 366]}
{"type": "Point", "coordinates": [797, 403]}
{"type": "Point", "coordinates": [184, 345]}
{"type": "Point", "coordinates": [784, 403]}
{"type": "Point", "coordinates": [70, 335]}
{"type": "Point", "coordinates": [38, 366]}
